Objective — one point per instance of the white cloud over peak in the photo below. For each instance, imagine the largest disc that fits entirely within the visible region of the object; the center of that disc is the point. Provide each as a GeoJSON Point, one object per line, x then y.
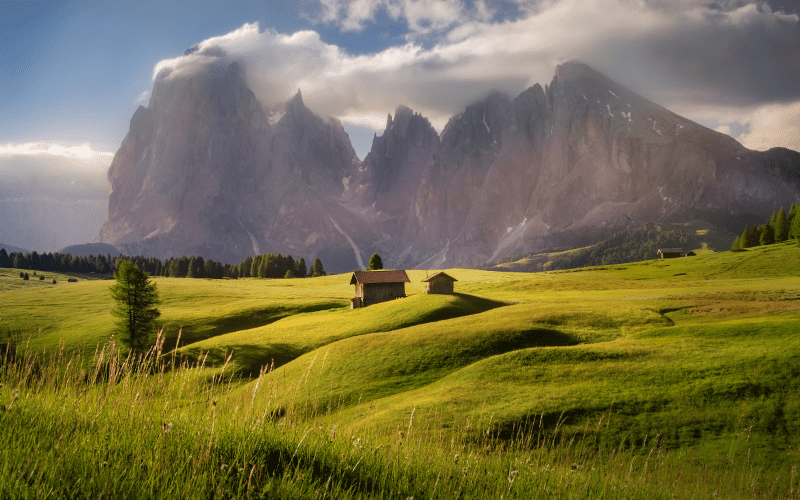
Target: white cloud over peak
{"type": "Point", "coordinates": [772, 126]}
{"type": "Point", "coordinates": [677, 55]}
{"type": "Point", "coordinates": [81, 152]}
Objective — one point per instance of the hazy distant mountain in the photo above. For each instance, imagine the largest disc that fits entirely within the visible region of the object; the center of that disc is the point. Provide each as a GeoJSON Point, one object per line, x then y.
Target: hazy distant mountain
{"type": "Point", "coordinates": [206, 169]}
{"type": "Point", "coordinates": [48, 202]}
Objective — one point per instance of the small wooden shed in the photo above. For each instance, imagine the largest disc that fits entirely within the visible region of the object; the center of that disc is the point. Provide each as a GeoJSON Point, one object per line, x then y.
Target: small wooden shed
{"type": "Point", "coordinates": [441, 283]}
{"type": "Point", "coordinates": [373, 287]}
{"type": "Point", "coordinates": [670, 253]}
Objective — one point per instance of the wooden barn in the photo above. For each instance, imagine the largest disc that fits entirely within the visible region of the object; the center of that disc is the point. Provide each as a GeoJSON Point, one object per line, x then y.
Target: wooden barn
{"type": "Point", "coordinates": [670, 253]}
{"type": "Point", "coordinates": [441, 283]}
{"type": "Point", "coordinates": [373, 287]}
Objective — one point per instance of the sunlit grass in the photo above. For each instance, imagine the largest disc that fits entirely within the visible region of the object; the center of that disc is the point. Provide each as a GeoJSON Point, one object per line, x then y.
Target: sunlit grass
{"type": "Point", "coordinates": [643, 380]}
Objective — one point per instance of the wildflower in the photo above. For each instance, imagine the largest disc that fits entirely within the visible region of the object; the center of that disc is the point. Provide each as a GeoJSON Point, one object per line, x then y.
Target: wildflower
{"type": "Point", "coordinates": [104, 464]}
{"type": "Point", "coordinates": [167, 427]}
{"type": "Point", "coordinates": [223, 467]}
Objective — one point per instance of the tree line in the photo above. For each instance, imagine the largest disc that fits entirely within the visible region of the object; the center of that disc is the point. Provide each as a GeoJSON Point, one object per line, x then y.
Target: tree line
{"type": "Point", "coordinates": [779, 228]}
{"type": "Point", "coordinates": [260, 266]}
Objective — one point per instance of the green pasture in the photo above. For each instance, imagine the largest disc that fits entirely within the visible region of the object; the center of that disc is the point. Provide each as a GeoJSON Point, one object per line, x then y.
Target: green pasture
{"type": "Point", "coordinates": [696, 356]}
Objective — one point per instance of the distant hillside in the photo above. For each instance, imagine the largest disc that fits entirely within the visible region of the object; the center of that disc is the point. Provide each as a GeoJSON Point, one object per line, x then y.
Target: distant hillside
{"type": "Point", "coordinates": [91, 249]}
{"type": "Point", "coordinates": [12, 248]}
{"type": "Point", "coordinates": [629, 246]}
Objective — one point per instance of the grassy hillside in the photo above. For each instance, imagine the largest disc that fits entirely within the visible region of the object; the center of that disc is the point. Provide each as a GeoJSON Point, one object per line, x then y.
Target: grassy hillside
{"type": "Point", "coordinates": [610, 381]}
{"type": "Point", "coordinates": [701, 237]}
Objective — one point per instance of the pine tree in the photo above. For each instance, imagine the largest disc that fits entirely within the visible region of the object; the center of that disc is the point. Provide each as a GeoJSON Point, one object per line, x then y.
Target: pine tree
{"type": "Point", "coordinates": [137, 305]}
{"type": "Point", "coordinates": [375, 263]}
{"type": "Point", "coordinates": [300, 268]}
{"type": "Point", "coordinates": [4, 260]}
{"type": "Point", "coordinates": [767, 236]}
{"type": "Point", "coordinates": [793, 211]}
{"type": "Point", "coordinates": [756, 236]}
{"type": "Point", "coordinates": [794, 230]}
{"type": "Point", "coordinates": [317, 269]}
{"type": "Point", "coordinates": [737, 245]}
{"type": "Point", "coordinates": [781, 226]}
{"type": "Point", "coordinates": [747, 238]}
{"type": "Point", "coordinates": [289, 274]}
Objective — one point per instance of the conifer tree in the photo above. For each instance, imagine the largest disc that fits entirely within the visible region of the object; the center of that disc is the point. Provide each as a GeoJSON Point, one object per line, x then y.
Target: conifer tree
{"type": "Point", "coordinates": [767, 236]}
{"type": "Point", "coordinates": [137, 305]}
{"type": "Point", "coordinates": [781, 226]}
{"type": "Point", "coordinates": [4, 260]}
{"type": "Point", "coordinates": [794, 230]}
{"type": "Point", "coordinates": [737, 245]}
{"type": "Point", "coordinates": [375, 263]}
{"type": "Point", "coordinates": [747, 238]}
{"type": "Point", "coordinates": [300, 268]}
{"type": "Point", "coordinates": [316, 268]}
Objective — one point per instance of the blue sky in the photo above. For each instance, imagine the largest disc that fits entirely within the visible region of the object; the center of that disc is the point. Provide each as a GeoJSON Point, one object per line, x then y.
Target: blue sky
{"type": "Point", "coordinates": [73, 72]}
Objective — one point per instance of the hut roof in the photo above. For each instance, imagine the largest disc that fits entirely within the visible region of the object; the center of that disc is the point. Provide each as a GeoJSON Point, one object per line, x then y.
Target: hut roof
{"type": "Point", "coordinates": [442, 274]}
{"type": "Point", "coordinates": [670, 250]}
{"type": "Point", "coordinates": [379, 277]}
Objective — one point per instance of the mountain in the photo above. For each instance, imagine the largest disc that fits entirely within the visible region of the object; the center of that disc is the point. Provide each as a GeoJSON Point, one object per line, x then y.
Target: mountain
{"type": "Point", "coordinates": [207, 169]}
{"type": "Point", "coordinates": [48, 202]}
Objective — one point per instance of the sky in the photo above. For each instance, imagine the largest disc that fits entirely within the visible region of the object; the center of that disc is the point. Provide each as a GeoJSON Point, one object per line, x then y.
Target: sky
{"type": "Point", "coordinates": [73, 72]}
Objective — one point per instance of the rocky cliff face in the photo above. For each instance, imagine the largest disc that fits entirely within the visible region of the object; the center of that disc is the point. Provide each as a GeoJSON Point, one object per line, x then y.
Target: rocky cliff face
{"type": "Point", "coordinates": [206, 169]}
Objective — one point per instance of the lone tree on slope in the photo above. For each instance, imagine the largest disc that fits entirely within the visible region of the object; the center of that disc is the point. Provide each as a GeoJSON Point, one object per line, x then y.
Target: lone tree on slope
{"type": "Point", "coordinates": [137, 305]}
{"type": "Point", "coordinates": [317, 269]}
{"type": "Point", "coordinates": [375, 263]}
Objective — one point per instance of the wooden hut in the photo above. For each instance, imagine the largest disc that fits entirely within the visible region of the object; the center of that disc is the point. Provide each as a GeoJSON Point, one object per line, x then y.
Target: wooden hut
{"type": "Point", "coordinates": [441, 283]}
{"type": "Point", "coordinates": [670, 253]}
{"type": "Point", "coordinates": [373, 287]}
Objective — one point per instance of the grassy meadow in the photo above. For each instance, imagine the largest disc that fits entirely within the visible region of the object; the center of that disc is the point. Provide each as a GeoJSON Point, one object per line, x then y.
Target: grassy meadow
{"type": "Point", "coordinates": [660, 379]}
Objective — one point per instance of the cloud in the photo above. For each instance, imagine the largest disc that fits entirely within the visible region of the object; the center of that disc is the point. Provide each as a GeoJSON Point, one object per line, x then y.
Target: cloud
{"type": "Point", "coordinates": [727, 54]}
{"type": "Point", "coordinates": [772, 126]}
{"type": "Point", "coordinates": [422, 16]}
{"type": "Point", "coordinates": [80, 152]}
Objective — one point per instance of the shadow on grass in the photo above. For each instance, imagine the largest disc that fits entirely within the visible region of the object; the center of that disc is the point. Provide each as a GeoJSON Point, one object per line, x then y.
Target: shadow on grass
{"type": "Point", "coordinates": [247, 359]}
{"type": "Point", "coordinates": [244, 321]}
{"type": "Point", "coordinates": [466, 305]}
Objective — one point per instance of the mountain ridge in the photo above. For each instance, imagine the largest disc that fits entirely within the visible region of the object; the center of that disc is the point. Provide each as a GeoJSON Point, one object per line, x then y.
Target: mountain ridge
{"type": "Point", "coordinates": [206, 169]}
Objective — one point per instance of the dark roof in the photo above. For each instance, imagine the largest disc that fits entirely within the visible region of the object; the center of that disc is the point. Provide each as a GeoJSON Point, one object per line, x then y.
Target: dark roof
{"type": "Point", "coordinates": [379, 277]}
{"type": "Point", "coordinates": [442, 274]}
{"type": "Point", "coordinates": [670, 250]}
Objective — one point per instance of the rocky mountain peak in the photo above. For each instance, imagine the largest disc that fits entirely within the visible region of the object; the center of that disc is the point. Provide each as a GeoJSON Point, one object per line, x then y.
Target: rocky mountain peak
{"type": "Point", "coordinates": [297, 101]}
{"type": "Point", "coordinates": [206, 169]}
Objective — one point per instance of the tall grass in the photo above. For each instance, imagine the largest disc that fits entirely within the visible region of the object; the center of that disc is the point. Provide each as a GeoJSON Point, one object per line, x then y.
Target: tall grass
{"type": "Point", "coordinates": [155, 426]}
